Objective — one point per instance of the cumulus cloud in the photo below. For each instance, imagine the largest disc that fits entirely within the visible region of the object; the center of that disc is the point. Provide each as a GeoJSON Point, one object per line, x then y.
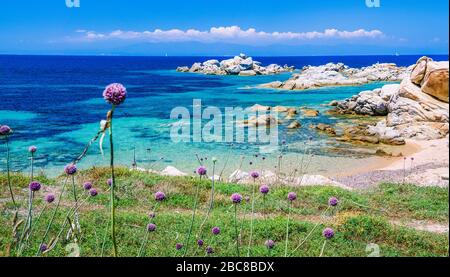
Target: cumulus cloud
{"type": "Point", "coordinates": [231, 34]}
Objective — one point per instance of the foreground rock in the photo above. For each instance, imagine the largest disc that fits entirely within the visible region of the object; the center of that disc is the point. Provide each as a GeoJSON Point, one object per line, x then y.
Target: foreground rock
{"type": "Point", "coordinates": [340, 75]}
{"type": "Point", "coordinates": [240, 65]}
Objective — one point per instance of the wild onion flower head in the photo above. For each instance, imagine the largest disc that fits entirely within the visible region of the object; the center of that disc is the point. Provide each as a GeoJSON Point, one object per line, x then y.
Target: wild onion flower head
{"type": "Point", "coordinates": [93, 192]}
{"type": "Point", "coordinates": [160, 196]}
{"type": "Point", "coordinates": [201, 171]}
{"type": "Point", "coordinates": [152, 215]}
{"type": "Point", "coordinates": [247, 198]}
{"type": "Point", "coordinates": [32, 149]}
{"type": "Point", "coordinates": [35, 186]}
{"type": "Point", "coordinates": [49, 198]}
{"type": "Point", "coordinates": [270, 244]}
{"type": "Point", "coordinates": [254, 174]}
{"type": "Point", "coordinates": [151, 227]}
{"type": "Point", "coordinates": [215, 230]}
{"type": "Point", "coordinates": [328, 233]}
{"type": "Point", "coordinates": [178, 246]}
{"type": "Point", "coordinates": [264, 189]}
{"type": "Point", "coordinates": [214, 160]}
{"type": "Point", "coordinates": [236, 198]}
{"type": "Point", "coordinates": [109, 182]}
{"type": "Point", "coordinates": [70, 169]}
{"type": "Point", "coordinates": [43, 247]}
{"type": "Point", "coordinates": [292, 196]}
{"type": "Point", "coordinates": [87, 185]}
{"type": "Point", "coordinates": [209, 250]}
{"type": "Point", "coordinates": [200, 242]}
{"type": "Point", "coordinates": [5, 130]}
{"type": "Point", "coordinates": [333, 201]}
{"type": "Point", "coordinates": [115, 94]}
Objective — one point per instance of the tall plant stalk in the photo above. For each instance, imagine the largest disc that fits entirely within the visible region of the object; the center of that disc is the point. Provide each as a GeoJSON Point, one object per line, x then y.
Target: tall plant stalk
{"type": "Point", "coordinates": [8, 174]}
{"type": "Point", "coordinates": [287, 229]}
{"type": "Point", "coordinates": [252, 218]}
{"type": "Point", "coordinates": [112, 207]}
{"type": "Point", "coordinates": [236, 230]}
{"type": "Point", "coordinates": [192, 219]}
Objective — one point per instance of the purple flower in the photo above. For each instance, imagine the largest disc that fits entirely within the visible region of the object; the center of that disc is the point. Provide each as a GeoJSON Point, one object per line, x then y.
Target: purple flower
{"type": "Point", "coordinates": [264, 189]}
{"type": "Point", "coordinates": [236, 198]}
{"type": "Point", "coordinates": [270, 244]}
{"type": "Point", "coordinates": [151, 227]}
{"type": "Point", "coordinates": [43, 247]}
{"type": "Point", "coordinates": [201, 171]}
{"type": "Point", "coordinates": [333, 201]}
{"type": "Point", "coordinates": [215, 230]}
{"type": "Point", "coordinates": [178, 246]}
{"type": "Point", "coordinates": [50, 198]}
{"type": "Point", "coordinates": [200, 243]}
{"type": "Point", "coordinates": [87, 185]}
{"type": "Point", "coordinates": [70, 169]}
{"type": "Point", "coordinates": [109, 182]}
{"type": "Point", "coordinates": [209, 250]}
{"type": "Point", "coordinates": [115, 94]}
{"type": "Point", "coordinates": [328, 233]}
{"type": "Point", "coordinates": [93, 192]}
{"type": "Point", "coordinates": [160, 196]}
{"type": "Point", "coordinates": [152, 215]}
{"type": "Point", "coordinates": [292, 196]}
{"type": "Point", "coordinates": [32, 149]}
{"type": "Point", "coordinates": [35, 186]}
{"type": "Point", "coordinates": [5, 130]}
{"type": "Point", "coordinates": [254, 174]}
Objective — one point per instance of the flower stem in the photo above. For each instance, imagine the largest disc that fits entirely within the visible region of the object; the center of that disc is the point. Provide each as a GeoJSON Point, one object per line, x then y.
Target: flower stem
{"type": "Point", "coordinates": [113, 210]}
{"type": "Point", "coordinates": [323, 248]}
{"type": "Point", "coordinates": [236, 230]}
{"type": "Point", "coordinates": [53, 216]}
{"type": "Point", "coordinates": [9, 174]}
{"type": "Point", "coordinates": [287, 229]}
{"type": "Point", "coordinates": [251, 219]}
{"type": "Point", "coordinates": [192, 220]}
{"type": "Point", "coordinates": [211, 203]}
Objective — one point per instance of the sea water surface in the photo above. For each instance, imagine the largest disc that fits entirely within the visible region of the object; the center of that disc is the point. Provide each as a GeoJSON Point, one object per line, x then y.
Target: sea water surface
{"type": "Point", "coordinates": [55, 103]}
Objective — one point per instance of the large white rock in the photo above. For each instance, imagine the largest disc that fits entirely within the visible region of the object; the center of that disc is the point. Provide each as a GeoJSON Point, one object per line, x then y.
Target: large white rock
{"type": "Point", "coordinates": [172, 171]}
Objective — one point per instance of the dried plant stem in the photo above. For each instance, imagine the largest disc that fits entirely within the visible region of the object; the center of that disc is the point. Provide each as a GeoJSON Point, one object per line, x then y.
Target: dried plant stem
{"type": "Point", "coordinates": [252, 218]}
{"type": "Point", "coordinates": [323, 248]}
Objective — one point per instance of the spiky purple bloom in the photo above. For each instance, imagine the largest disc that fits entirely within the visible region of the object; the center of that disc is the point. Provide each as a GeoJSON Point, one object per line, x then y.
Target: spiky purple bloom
{"type": "Point", "coordinates": [292, 196]}
{"type": "Point", "coordinates": [270, 244]}
{"type": "Point", "coordinates": [201, 171]}
{"type": "Point", "coordinates": [43, 247]}
{"type": "Point", "coordinates": [5, 130]}
{"type": "Point", "coordinates": [328, 233]}
{"type": "Point", "coordinates": [160, 196]}
{"type": "Point", "coordinates": [32, 149]}
{"type": "Point", "coordinates": [264, 189]}
{"type": "Point", "coordinates": [333, 201]}
{"type": "Point", "coordinates": [70, 169]}
{"type": "Point", "coordinates": [178, 246]}
{"type": "Point", "coordinates": [254, 174]}
{"type": "Point", "coordinates": [87, 185]}
{"type": "Point", "coordinates": [209, 250]}
{"type": "Point", "coordinates": [200, 242]}
{"type": "Point", "coordinates": [93, 192]}
{"type": "Point", "coordinates": [151, 227]}
{"type": "Point", "coordinates": [215, 230]}
{"type": "Point", "coordinates": [115, 94]}
{"type": "Point", "coordinates": [35, 186]}
{"type": "Point", "coordinates": [50, 198]}
{"type": "Point", "coordinates": [236, 198]}
{"type": "Point", "coordinates": [109, 182]}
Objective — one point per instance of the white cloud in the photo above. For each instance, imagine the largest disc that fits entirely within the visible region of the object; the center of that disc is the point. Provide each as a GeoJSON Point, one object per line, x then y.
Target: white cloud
{"type": "Point", "coordinates": [231, 34]}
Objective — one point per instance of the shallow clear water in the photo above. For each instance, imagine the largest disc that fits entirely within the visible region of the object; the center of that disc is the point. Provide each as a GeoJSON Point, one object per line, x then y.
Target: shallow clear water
{"type": "Point", "coordinates": [56, 104]}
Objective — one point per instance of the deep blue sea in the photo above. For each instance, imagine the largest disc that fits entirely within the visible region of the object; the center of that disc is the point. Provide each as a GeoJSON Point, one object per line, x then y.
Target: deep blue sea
{"type": "Point", "coordinates": [55, 103]}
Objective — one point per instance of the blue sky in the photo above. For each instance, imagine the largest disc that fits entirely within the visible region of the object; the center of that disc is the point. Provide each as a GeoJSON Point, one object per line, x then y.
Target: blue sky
{"type": "Point", "coordinates": [200, 27]}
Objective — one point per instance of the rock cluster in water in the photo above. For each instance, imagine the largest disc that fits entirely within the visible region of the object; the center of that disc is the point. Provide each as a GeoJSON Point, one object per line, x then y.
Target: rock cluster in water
{"type": "Point", "coordinates": [339, 74]}
{"type": "Point", "coordinates": [240, 65]}
{"type": "Point", "coordinates": [417, 108]}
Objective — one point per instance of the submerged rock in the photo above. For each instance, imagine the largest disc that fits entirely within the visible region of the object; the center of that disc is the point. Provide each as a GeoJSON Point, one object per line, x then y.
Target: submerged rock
{"type": "Point", "coordinates": [294, 125]}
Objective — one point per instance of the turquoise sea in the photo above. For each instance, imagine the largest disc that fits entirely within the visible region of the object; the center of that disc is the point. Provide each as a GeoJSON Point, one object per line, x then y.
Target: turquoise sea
{"type": "Point", "coordinates": [55, 103]}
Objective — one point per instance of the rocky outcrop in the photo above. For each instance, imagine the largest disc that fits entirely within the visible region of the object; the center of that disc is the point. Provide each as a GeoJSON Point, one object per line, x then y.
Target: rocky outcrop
{"type": "Point", "coordinates": [240, 65]}
{"type": "Point", "coordinates": [417, 108]}
{"type": "Point", "coordinates": [325, 128]}
{"type": "Point", "coordinates": [340, 75]}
